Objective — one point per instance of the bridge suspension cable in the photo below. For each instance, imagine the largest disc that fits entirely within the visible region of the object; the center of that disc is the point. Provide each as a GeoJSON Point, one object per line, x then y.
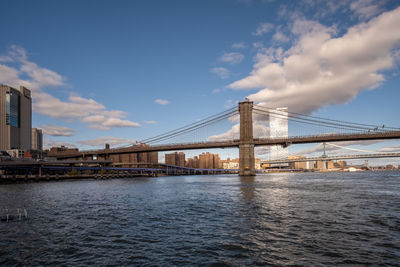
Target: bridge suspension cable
{"type": "Point", "coordinates": [349, 148]}
{"type": "Point", "coordinates": [275, 115]}
{"type": "Point", "coordinates": [192, 126]}
{"type": "Point", "coordinates": [332, 120]}
{"type": "Point", "coordinates": [322, 121]}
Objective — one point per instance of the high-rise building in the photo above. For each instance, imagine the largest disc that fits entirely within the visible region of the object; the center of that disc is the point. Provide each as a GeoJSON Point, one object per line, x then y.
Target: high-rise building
{"type": "Point", "coordinates": [209, 161]}
{"type": "Point", "coordinates": [176, 158]}
{"type": "Point", "coordinates": [15, 118]}
{"type": "Point", "coordinates": [170, 159]}
{"type": "Point", "coordinates": [37, 139]}
{"type": "Point", "coordinates": [193, 162]}
{"type": "Point", "coordinates": [278, 127]}
{"type": "Point", "coordinates": [205, 161]}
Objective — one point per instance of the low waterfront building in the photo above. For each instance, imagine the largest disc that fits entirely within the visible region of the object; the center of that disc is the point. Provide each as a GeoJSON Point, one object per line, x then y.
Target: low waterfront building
{"type": "Point", "coordinates": [298, 164]}
{"type": "Point", "coordinates": [230, 163]}
{"type": "Point", "coordinates": [62, 149]}
{"type": "Point", "coordinates": [234, 163]}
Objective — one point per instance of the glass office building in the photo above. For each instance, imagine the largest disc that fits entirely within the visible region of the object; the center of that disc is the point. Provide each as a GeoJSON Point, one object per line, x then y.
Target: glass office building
{"type": "Point", "coordinates": [15, 118]}
{"type": "Point", "coordinates": [12, 109]}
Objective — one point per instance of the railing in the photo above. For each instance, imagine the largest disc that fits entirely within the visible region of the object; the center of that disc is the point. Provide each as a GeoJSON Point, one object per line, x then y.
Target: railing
{"type": "Point", "coordinates": [13, 214]}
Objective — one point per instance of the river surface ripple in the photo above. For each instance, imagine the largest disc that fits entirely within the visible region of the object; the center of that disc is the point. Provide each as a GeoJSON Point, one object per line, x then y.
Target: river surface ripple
{"type": "Point", "coordinates": [225, 220]}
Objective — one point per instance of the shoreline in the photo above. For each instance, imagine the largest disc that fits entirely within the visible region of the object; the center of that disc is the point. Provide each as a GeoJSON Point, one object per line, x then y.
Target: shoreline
{"type": "Point", "coordinates": [14, 179]}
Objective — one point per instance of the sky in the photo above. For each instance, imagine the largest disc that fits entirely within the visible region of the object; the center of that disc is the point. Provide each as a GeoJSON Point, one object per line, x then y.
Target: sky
{"type": "Point", "coordinates": [120, 71]}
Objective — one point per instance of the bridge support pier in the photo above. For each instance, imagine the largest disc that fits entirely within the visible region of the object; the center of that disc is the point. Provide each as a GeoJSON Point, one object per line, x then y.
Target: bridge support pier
{"type": "Point", "coordinates": [246, 145]}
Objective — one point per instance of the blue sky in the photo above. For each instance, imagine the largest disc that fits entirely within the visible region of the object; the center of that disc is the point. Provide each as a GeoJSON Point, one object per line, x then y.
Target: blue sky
{"type": "Point", "coordinates": [119, 71]}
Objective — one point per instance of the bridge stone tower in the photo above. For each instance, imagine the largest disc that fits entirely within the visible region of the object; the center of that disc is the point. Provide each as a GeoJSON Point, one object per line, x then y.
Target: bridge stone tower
{"type": "Point", "coordinates": [246, 145]}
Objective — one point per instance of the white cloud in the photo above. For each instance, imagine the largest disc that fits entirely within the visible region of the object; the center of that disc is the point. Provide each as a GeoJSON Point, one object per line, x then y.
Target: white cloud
{"type": "Point", "coordinates": [41, 76]}
{"type": "Point", "coordinates": [150, 122]}
{"type": "Point", "coordinates": [74, 107]}
{"type": "Point", "coordinates": [366, 9]}
{"type": "Point", "coordinates": [263, 28]}
{"type": "Point", "coordinates": [231, 58]}
{"type": "Point", "coordinates": [303, 27]}
{"type": "Point", "coordinates": [94, 118]}
{"type": "Point", "coordinates": [260, 130]}
{"type": "Point", "coordinates": [233, 133]}
{"type": "Point", "coordinates": [360, 9]}
{"type": "Point", "coordinates": [262, 150]}
{"type": "Point", "coordinates": [216, 91]}
{"type": "Point", "coordinates": [162, 101]}
{"type": "Point", "coordinates": [220, 72]}
{"type": "Point", "coordinates": [319, 148]}
{"type": "Point", "coordinates": [240, 45]}
{"type": "Point", "coordinates": [49, 105]}
{"type": "Point", "coordinates": [8, 75]}
{"type": "Point", "coordinates": [112, 141]}
{"type": "Point", "coordinates": [55, 130]}
{"type": "Point", "coordinates": [390, 149]}
{"type": "Point", "coordinates": [6, 59]}
{"type": "Point", "coordinates": [321, 69]}
{"type": "Point", "coordinates": [95, 113]}
{"type": "Point", "coordinates": [280, 37]}
{"type": "Point", "coordinates": [228, 103]}
{"type": "Point", "coordinates": [116, 122]}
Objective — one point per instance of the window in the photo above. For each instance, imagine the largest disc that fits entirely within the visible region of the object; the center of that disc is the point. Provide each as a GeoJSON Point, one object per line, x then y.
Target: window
{"type": "Point", "coordinates": [12, 109]}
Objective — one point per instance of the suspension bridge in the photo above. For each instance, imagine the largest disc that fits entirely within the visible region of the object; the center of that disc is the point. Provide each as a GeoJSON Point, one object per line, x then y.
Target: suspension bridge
{"type": "Point", "coordinates": [249, 131]}
{"type": "Point", "coordinates": [328, 158]}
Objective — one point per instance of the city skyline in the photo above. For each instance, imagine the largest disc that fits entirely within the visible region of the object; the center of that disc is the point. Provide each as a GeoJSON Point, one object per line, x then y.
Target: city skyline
{"type": "Point", "coordinates": [141, 72]}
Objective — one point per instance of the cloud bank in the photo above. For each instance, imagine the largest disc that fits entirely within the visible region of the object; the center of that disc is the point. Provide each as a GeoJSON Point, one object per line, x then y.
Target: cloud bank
{"type": "Point", "coordinates": [263, 28]}
{"type": "Point", "coordinates": [75, 107]}
{"type": "Point", "coordinates": [321, 68]}
{"type": "Point", "coordinates": [55, 130]}
{"type": "Point", "coordinates": [112, 141]}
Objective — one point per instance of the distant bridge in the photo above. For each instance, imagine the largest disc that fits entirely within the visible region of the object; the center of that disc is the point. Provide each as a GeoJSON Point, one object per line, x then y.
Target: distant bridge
{"type": "Point", "coordinates": [247, 142]}
{"type": "Point", "coordinates": [327, 158]}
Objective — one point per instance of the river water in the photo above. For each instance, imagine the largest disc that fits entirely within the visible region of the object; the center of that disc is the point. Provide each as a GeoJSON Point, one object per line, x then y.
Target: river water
{"type": "Point", "coordinates": [272, 219]}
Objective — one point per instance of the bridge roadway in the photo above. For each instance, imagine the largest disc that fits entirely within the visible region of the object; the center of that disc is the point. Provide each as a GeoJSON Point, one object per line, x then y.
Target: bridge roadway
{"type": "Point", "coordinates": [355, 156]}
{"type": "Point", "coordinates": [235, 143]}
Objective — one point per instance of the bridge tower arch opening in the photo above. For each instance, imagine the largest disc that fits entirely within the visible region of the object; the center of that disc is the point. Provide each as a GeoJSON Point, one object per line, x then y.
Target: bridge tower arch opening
{"type": "Point", "coordinates": [246, 144]}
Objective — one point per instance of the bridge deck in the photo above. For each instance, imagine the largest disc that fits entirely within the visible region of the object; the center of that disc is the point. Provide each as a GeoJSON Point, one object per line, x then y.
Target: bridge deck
{"type": "Point", "coordinates": [235, 143]}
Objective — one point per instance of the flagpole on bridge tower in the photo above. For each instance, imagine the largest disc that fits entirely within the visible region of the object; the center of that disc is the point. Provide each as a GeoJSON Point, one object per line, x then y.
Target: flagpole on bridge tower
{"type": "Point", "coordinates": [246, 145]}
